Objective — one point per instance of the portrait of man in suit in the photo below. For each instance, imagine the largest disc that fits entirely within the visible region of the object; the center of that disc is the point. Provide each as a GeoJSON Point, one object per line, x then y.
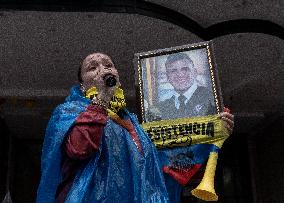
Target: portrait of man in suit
{"type": "Point", "coordinates": [189, 90]}
{"type": "Point", "coordinates": [188, 98]}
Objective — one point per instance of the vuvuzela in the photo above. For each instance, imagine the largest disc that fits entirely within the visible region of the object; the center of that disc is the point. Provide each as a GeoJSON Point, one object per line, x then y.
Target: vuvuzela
{"type": "Point", "coordinates": [205, 190]}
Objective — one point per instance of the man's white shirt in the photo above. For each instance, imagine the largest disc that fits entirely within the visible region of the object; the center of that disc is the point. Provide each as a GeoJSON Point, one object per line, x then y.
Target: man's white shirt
{"type": "Point", "coordinates": [188, 94]}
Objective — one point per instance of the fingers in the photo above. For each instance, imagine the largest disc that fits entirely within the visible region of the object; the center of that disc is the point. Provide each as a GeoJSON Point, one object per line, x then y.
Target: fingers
{"type": "Point", "coordinates": [229, 120]}
{"type": "Point", "coordinates": [227, 115]}
{"type": "Point", "coordinates": [229, 124]}
{"type": "Point", "coordinates": [229, 128]}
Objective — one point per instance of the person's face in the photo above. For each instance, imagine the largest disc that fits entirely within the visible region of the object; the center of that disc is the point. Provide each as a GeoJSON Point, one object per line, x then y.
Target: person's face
{"type": "Point", "coordinates": [95, 67]}
{"type": "Point", "coordinates": [181, 74]}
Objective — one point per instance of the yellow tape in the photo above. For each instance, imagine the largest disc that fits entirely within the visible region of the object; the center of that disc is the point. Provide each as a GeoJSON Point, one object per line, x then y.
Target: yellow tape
{"type": "Point", "coordinates": [187, 131]}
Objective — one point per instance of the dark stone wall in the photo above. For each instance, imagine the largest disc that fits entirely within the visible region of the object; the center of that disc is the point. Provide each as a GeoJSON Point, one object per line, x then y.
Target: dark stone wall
{"type": "Point", "coordinates": [4, 149]}
{"type": "Point", "coordinates": [269, 161]}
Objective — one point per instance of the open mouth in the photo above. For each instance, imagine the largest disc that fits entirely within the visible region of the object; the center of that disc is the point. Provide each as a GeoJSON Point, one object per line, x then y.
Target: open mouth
{"type": "Point", "coordinates": [110, 80]}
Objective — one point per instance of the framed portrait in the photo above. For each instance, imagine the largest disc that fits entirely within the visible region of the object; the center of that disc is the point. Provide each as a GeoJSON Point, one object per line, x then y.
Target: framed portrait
{"type": "Point", "coordinates": [178, 82]}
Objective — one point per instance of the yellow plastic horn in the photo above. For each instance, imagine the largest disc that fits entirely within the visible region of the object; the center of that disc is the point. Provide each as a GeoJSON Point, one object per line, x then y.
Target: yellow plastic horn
{"type": "Point", "coordinates": [205, 190]}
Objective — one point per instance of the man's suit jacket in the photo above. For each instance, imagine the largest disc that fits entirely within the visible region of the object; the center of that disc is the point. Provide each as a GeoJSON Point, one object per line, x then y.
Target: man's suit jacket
{"type": "Point", "coordinates": [200, 104]}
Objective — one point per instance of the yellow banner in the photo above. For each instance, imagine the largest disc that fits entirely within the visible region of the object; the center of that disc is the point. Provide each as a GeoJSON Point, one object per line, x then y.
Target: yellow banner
{"type": "Point", "coordinates": [187, 131]}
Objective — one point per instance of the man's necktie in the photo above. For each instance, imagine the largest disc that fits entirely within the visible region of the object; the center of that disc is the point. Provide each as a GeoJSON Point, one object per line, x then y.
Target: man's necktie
{"type": "Point", "coordinates": [182, 106]}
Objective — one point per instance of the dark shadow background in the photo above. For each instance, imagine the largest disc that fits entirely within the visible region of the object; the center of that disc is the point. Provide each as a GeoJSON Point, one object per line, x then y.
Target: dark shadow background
{"type": "Point", "coordinates": [43, 43]}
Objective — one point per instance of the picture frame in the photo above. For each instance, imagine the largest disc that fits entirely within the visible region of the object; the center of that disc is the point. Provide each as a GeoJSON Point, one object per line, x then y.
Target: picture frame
{"type": "Point", "coordinates": [163, 76]}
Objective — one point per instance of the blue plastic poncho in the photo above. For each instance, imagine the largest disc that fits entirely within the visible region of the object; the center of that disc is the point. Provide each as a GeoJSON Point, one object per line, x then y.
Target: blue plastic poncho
{"type": "Point", "coordinates": [116, 173]}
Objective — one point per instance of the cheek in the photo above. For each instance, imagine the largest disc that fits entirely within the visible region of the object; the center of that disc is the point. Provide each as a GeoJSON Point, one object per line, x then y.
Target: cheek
{"type": "Point", "coordinates": [187, 75]}
{"type": "Point", "coordinates": [88, 77]}
{"type": "Point", "coordinates": [171, 78]}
